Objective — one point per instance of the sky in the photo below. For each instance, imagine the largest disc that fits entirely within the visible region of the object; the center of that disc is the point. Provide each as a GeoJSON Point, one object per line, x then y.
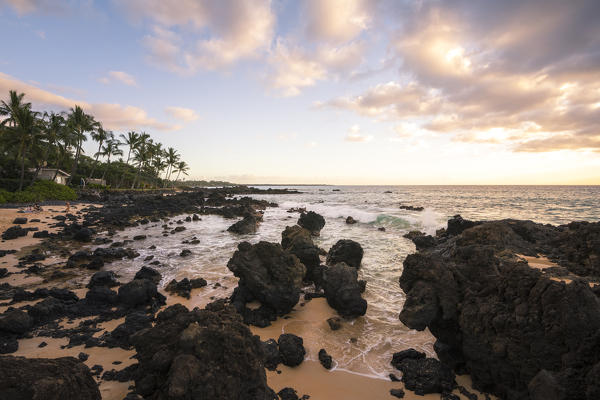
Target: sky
{"type": "Point", "coordinates": [327, 91]}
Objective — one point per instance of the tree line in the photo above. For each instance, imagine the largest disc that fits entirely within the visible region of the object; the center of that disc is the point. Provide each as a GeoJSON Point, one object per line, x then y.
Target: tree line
{"type": "Point", "coordinates": [31, 140]}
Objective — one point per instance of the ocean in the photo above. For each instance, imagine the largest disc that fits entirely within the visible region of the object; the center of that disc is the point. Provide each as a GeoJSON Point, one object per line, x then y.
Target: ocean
{"type": "Point", "coordinates": [380, 331]}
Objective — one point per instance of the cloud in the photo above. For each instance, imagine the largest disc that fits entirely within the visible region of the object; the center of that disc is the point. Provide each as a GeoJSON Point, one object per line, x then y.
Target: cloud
{"type": "Point", "coordinates": [337, 21]}
{"type": "Point", "coordinates": [23, 7]}
{"type": "Point", "coordinates": [355, 136]}
{"type": "Point", "coordinates": [483, 72]}
{"type": "Point", "coordinates": [112, 116]}
{"type": "Point", "coordinates": [220, 33]}
{"type": "Point", "coordinates": [41, 34]}
{"type": "Point", "coordinates": [184, 114]}
{"type": "Point", "coordinates": [293, 68]}
{"type": "Point", "coordinates": [119, 76]}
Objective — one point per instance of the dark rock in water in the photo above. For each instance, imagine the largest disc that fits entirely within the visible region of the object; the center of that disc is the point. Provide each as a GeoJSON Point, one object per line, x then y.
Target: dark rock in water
{"type": "Point", "coordinates": [350, 220]}
{"type": "Point", "coordinates": [291, 349]}
{"type": "Point", "coordinates": [207, 354]}
{"type": "Point", "coordinates": [184, 287]}
{"type": "Point", "coordinates": [139, 237]}
{"type": "Point", "coordinates": [5, 252]}
{"type": "Point", "coordinates": [139, 292]}
{"type": "Point", "coordinates": [288, 394]}
{"type": "Point", "coordinates": [149, 258]}
{"type": "Point", "coordinates": [103, 278]}
{"type": "Point", "coordinates": [393, 378]}
{"type": "Point", "coordinates": [423, 242]}
{"type": "Point", "coordinates": [399, 393]}
{"type": "Point", "coordinates": [346, 251]}
{"type": "Point", "coordinates": [413, 234]}
{"type": "Point", "coordinates": [342, 290]}
{"type": "Point", "coordinates": [411, 208]}
{"type": "Point", "coordinates": [325, 359]}
{"type": "Point", "coordinates": [96, 263]}
{"type": "Point", "coordinates": [14, 232]}
{"type": "Point", "coordinates": [15, 321]}
{"type": "Point", "coordinates": [83, 356]}
{"type": "Point", "coordinates": [245, 226]}
{"type": "Point", "coordinates": [312, 221]}
{"type": "Point", "coordinates": [499, 319]}
{"type": "Point", "coordinates": [3, 272]}
{"type": "Point", "coordinates": [298, 241]}
{"type": "Point", "coordinates": [269, 274]}
{"type": "Point", "coordinates": [188, 219]}
{"type": "Point", "coordinates": [381, 229]}
{"type": "Point", "coordinates": [423, 375]}
{"type": "Point", "coordinates": [456, 225]}
{"type": "Point", "coordinates": [272, 355]}
{"type": "Point", "coordinates": [185, 253]}
{"type": "Point", "coordinates": [20, 221]}
{"type": "Point", "coordinates": [148, 273]}
{"type": "Point", "coordinates": [63, 378]}
{"type": "Point", "coordinates": [195, 217]}
{"type": "Point", "coordinates": [334, 323]}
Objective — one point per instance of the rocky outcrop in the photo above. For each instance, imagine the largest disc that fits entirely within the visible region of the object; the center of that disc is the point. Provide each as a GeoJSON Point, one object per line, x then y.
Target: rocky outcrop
{"type": "Point", "coordinates": [49, 379]}
{"type": "Point", "coordinates": [298, 241]}
{"type": "Point", "coordinates": [267, 274]}
{"type": "Point", "coordinates": [343, 291]}
{"type": "Point", "coordinates": [245, 226]}
{"type": "Point", "coordinates": [184, 287]}
{"type": "Point", "coordinates": [202, 354]}
{"type": "Point", "coordinates": [423, 375]}
{"type": "Point", "coordinates": [312, 221]}
{"type": "Point", "coordinates": [345, 251]}
{"type": "Point", "coordinates": [291, 348]}
{"type": "Point", "coordinates": [516, 329]}
{"type": "Point", "coordinates": [14, 232]}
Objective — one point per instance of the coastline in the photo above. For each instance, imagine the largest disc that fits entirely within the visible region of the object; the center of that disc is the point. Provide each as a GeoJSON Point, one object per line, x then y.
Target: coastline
{"type": "Point", "coordinates": [309, 378]}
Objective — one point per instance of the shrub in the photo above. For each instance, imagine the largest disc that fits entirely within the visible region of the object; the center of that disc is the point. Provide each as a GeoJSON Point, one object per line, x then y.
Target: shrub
{"type": "Point", "coordinates": [39, 191]}
{"type": "Point", "coordinates": [49, 190]}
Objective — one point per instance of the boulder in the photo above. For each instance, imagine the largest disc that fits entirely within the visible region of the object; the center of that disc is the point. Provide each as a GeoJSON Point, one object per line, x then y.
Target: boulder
{"type": "Point", "coordinates": [15, 321]}
{"type": "Point", "coordinates": [325, 359]}
{"type": "Point", "coordinates": [346, 251]}
{"type": "Point", "coordinates": [312, 221]}
{"type": "Point", "coordinates": [245, 226]}
{"type": "Point", "coordinates": [64, 378]}
{"type": "Point", "coordinates": [14, 232]}
{"type": "Point", "coordinates": [20, 221]}
{"type": "Point", "coordinates": [342, 290]}
{"type": "Point", "coordinates": [184, 287]}
{"type": "Point", "coordinates": [268, 273]}
{"type": "Point", "coordinates": [350, 220]}
{"type": "Point", "coordinates": [139, 292]}
{"type": "Point", "coordinates": [204, 354]}
{"type": "Point", "coordinates": [298, 241]}
{"type": "Point", "coordinates": [103, 278]}
{"type": "Point", "coordinates": [423, 375]}
{"type": "Point", "coordinates": [148, 273]}
{"type": "Point", "coordinates": [291, 348]}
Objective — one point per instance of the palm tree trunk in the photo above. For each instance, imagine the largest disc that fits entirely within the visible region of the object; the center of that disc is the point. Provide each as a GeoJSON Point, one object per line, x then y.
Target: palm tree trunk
{"type": "Point", "coordinates": [106, 169]}
{"type": "Point", "coordinates": [74, 169]}
{"type": "Point", "coordinates": [22, 171]}
{"type": "Point", "coordinates": [126, 162]}
{"type": "Point", "coordinates": [136, 176]}
{"type": "Point", "coordinates": [96, 161]}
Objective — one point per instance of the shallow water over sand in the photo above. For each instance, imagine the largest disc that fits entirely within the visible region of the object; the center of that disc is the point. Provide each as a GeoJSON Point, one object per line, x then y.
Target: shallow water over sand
{"type": "Point", "coordinates": [379, 333]}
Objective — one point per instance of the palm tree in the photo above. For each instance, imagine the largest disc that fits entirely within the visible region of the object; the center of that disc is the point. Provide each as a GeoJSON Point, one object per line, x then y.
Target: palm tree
{"type": "Point", "coordinates": [79, 122]}
{"type": "Point", "coordinates": [100, 136]}
{"type": "Point", "coordinates": [130, 140]}
{"type": "Point", "coordinates": [111, 148]}
{"type": "Point", "coordinates": [141, 154]}
{"type": "Point", "coordinates": [26, 131]}
{"type": "Point", "coordinates": [172, 159]}
{"type": "Point", "coordinates": [10, 109]}
{"type": "Point", "coordinates": [181, 167]}
{"type": "Point", "coordinates": [54, 128]}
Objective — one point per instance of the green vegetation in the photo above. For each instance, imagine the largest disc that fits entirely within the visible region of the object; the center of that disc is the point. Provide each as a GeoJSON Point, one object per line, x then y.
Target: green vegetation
{"type": "Point", "coordinates": [208, 183]}
{"type": "Point", "coordinates": [31, 140]}
{"type": "Point", "coordinates": [39, 191]}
